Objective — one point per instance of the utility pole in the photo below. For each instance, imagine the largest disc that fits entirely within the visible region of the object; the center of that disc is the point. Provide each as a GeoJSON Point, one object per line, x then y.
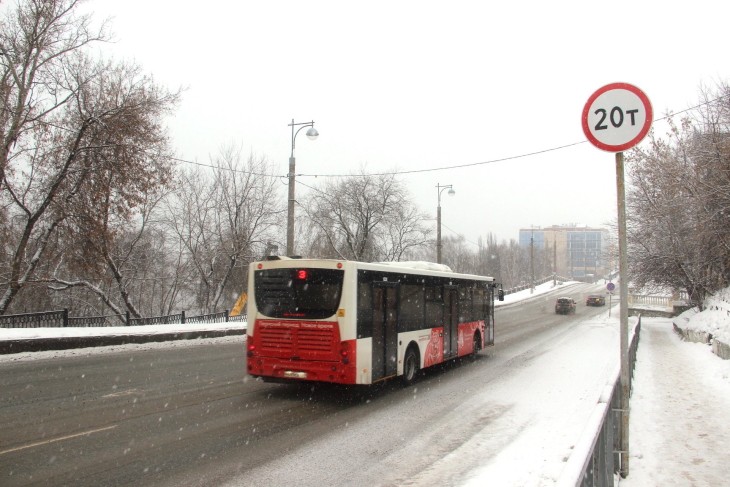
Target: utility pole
{"type": "Point", "coordinates": [555, 258]}
{"type": "Point", "coordinates": [532, 260]}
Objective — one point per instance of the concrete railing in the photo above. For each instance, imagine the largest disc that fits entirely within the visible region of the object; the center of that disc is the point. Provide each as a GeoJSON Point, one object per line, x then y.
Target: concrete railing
{"type": "Point", "coordinates": [636, 299]}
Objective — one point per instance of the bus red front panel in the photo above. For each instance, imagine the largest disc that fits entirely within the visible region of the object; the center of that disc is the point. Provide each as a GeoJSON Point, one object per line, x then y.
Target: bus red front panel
{"type": "Point", "coordinates": [305, 350]}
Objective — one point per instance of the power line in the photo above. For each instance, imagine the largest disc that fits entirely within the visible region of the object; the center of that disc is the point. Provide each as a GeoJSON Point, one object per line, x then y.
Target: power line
{"type": "Point", "coordinates": [444, 168]}
{"type": "Point", "coordinates": [395, 173]}
{"type": "Point", "coordinates": [460, 235]}
{"type": "Point", "coordinates": [226, 168]}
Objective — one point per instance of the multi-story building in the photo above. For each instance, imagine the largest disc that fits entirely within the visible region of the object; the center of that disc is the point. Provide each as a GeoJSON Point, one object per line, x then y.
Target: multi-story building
{"type": "Point", "coordinates": [575, 251]}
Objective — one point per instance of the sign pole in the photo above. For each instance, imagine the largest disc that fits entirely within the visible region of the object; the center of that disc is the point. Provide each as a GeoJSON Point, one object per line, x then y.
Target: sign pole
{"type": "Point", "coordinates": [624, 314]}
{"type": "Point", "coordinates": [615, 118]}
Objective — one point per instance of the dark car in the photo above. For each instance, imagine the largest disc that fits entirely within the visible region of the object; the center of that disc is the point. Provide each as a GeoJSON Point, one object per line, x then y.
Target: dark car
{"type": "Point", "coordinates": [564, 305]}
{"type": "Point", "coordinates": [595, 300]}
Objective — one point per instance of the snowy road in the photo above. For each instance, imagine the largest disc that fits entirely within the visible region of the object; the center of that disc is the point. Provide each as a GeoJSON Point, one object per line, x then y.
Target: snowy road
{"type": "Point", "coordinates": [182, 416]}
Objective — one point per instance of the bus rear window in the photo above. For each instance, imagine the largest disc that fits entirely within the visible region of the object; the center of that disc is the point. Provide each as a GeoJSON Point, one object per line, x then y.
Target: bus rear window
{"type": "Point", "coordinates": [304, 293]}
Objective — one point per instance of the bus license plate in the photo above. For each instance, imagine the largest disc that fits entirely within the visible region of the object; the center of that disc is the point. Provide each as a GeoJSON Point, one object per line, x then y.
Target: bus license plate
{"type": "Point", "coordinates": [295, 375]}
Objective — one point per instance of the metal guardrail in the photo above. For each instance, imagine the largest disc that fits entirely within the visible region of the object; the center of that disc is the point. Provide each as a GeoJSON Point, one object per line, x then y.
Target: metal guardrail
{"type": "Point", "coordinates": [596, 457]}
{"type": "Point", "coordinates": [60, 319]}
{"type": "Point", "coordinates": [522, 287]}
{"type": "Point", "coordinates": [158, 320]}
{"type": "Point", "coordinates": [35, 320]}
{"type": "Point", "coordinates": [94, 321]}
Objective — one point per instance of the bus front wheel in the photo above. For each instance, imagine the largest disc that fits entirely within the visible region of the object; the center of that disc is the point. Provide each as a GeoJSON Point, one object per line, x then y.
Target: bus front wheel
{"type": "Point", "coordinates": [410, 366]}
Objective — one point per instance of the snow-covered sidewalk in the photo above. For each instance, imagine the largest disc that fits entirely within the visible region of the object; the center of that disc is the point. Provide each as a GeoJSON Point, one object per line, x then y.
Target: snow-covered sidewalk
{"type": "Point", "coordinates": [680, 432]}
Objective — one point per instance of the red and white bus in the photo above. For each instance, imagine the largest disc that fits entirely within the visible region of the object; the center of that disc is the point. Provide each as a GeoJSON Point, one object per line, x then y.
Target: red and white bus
{"type": "Point", "coordinates": [359, 323]}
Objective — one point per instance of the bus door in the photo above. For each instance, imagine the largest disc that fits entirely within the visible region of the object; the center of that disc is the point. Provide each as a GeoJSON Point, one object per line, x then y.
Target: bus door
{"type": "Point", "coordinates": [385, 330]}
{"type": "Point", "coordinates": [451, 321]}
{"type": "Point", "coordinates": [489, 323]}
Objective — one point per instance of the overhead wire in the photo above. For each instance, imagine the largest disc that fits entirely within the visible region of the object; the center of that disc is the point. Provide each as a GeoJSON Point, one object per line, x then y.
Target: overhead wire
{"type": "Point", "coordinates": [413, 171]}
{"type": "Point", "coordinates": [443, 168]}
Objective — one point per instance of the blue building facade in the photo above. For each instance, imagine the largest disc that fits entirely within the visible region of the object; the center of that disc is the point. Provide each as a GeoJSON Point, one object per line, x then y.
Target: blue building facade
{"type": "Point", "coordinates": [575, 251]}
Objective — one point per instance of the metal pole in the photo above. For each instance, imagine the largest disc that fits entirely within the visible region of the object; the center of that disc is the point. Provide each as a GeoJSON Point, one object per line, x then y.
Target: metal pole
{"type": "Point", "coordinates": [439, 189]}
{"type": "Point", "coordinates": [438, 232]}
{"type": "Point", "coordinates": [290, 212]}
{"type": "Point", "coordinates": [290, 202]}
{"type": "Point", "coordinates": [624, 315]}
{"type": "Point", "coordinates": [555, 257]}
{"type": "Point", "coordinates": [532, 266]}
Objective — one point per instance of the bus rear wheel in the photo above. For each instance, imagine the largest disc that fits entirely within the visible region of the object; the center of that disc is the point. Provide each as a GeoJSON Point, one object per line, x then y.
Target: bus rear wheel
{"type": "Point", "coordinates": [475, 346]}
{"type": "Point", "coordinates": [410, 366]}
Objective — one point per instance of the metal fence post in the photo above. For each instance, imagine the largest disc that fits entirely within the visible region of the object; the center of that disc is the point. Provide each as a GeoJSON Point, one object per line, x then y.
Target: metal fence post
{"type": "Point", "coordinates": [126, 320]}
{"type": "Point", "coordinates": [182, 317]}
{"type": "Point", "coordinates": [65, 317]}
{"type": "Point", "coordinates": [226, 316]}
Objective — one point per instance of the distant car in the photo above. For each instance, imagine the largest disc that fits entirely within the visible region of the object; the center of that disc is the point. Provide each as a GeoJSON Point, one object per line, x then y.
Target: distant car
{"type": "Point", "coordinates": [596, 300]}
{"type": "Point", "coordinates": [564, 305]}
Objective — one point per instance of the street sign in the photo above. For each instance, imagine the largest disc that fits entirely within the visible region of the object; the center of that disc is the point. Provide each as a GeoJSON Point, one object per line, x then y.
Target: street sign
{"type": "Point", "coordinates": [610, 286]}
{"type": "Point", "coordinates": [617, 117]}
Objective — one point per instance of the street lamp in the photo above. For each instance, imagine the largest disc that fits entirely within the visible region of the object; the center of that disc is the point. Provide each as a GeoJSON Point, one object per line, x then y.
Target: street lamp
{"type": "Point", "coordinates": [440, 189]}
{"type": "Point", "coordinates": [311, 135]}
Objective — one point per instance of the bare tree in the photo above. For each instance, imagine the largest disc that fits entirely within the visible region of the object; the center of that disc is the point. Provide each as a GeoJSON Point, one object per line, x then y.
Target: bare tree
{"type": "Point", "coordinates": [365, 217]}
{"type": "Point", "coordinates": [458, 254]}
{"type": "Point", "coordinates": [224, 219]}
{"type": "Point", "coordinates": [128, 267]}
{"type": "Point", "coordinates": [679, 200]}
{"type": "Point", "coordinates": [93, 160]}
{"type": "Point", "coordinates": [40, 41]}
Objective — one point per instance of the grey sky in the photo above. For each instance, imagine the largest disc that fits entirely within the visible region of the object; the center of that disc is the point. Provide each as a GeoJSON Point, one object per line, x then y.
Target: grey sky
{"type": "Point", "coordinates": [420, 85]}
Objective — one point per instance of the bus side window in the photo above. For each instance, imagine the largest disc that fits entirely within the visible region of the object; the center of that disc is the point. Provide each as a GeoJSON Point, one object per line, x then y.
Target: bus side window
{"type": "Point", "coordinates": [479, 310]}
{"type": "Point", "coordinates": [410, 316]}
{"type": "Point", "coordinates": [465, 304]}
{"type": "Point", "coordinates": [434, 306]}
{"type": "Point", "coordinates": [364, 310]}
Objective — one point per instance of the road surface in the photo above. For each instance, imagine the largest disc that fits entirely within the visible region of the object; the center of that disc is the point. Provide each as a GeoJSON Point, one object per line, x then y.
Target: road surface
{"type": "Point", "coordinates": [190, 416]}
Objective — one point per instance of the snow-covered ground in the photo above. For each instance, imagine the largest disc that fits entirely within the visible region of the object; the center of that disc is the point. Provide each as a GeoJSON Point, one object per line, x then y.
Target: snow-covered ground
{"type": "Point", "coordinates": [58, 332]}
{"type": "Point", "coordinates": [539, 289]}
{"type": "Point", "coordinates": [679, 434]}
{"type": "Point", "coordinates": [714, 319]}
{"type": "Point", "coordinates": [679, 430]}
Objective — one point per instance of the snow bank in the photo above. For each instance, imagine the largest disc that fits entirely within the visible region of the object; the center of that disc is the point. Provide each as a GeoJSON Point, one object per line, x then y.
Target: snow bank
{"type": "Point", "coordinates": [715, 318]}
{"type": "Point", "coordinates": [93, 331]}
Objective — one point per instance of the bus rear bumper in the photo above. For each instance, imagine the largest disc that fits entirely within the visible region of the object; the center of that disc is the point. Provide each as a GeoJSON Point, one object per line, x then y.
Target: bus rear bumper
{"type": "Point", "coordinates": [296, 370]}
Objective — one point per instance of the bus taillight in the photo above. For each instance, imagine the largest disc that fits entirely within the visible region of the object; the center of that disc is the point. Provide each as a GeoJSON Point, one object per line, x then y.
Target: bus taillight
{"type": "Point", "coordinates": [251, 348]}
{"type": "Point", "coordinates": [344, 351]}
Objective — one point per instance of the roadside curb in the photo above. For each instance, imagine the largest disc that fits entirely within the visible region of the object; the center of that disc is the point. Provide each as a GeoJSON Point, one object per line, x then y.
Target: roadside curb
{"type": "Point", "coordinates": [66, 343]}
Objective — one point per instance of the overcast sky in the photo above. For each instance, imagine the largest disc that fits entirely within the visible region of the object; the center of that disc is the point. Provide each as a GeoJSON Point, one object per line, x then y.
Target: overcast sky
{"type": "Point", "coordinates": [424, 85]}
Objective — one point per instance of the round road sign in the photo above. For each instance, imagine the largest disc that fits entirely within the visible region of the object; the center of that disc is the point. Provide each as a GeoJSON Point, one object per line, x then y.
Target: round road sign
{"type": "Point", "coordinates": [617, 117]}
{"type": "Point", "coordinates": [610, 286]}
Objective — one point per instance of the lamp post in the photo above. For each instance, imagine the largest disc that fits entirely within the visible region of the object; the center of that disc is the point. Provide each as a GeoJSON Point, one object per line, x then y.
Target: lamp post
{"type": "Point", "coordinates": [311, 135]}
{"type": "Point", "coordinates": [440, 189]}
